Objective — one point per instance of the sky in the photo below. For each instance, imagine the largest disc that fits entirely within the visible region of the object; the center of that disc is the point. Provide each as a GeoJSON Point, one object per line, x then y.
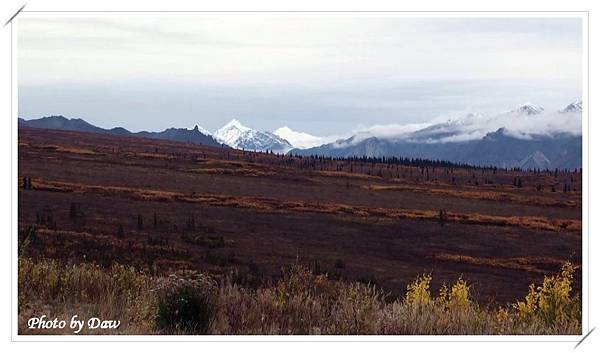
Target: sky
{"type": "Point", "coordinates": [324, 75]}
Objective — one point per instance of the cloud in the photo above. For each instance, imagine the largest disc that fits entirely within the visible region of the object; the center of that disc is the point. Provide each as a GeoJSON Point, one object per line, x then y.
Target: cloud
{"type": "Point", "coordinates": [473, 126]}
{"type": "Point", "coordinates": [324, 75]}
{"type": "Point", "coordinates": [278, 49]}
{"type": "Point", "coordinates": [303, 139]}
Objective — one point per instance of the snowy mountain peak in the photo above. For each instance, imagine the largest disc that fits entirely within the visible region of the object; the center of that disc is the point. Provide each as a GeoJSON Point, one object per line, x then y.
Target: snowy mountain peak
{"type": "Point", "coordinates": [465, 119]}
{"type": "Point", "coordinates": [529, 109]}
{"type": "Point", "coordinates": [285, 130]}
{"type": "Point", "coordinates": [202, 130]}
{"type": "Point", "coordinates": [299, 139]}
{"type": "Point", "coordinates": [231, 132]}
{"type": "Point", "coordinates": [236, 135]}
{"type": "Point", "coordinates": [536, 160]}
{"type": "Point", "coordinates": [576, 106]}
{"type": "Point", "coordinates": [234, 123]}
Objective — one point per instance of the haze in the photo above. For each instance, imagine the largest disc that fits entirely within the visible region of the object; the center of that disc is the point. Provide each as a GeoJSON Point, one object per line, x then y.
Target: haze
{"type": "Point", "coordinates": [320, 75]}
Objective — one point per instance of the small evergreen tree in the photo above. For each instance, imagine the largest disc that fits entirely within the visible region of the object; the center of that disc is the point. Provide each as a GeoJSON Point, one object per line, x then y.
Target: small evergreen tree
{"type": "Point", "coordinates": [73, 210]}
{"type": "Point", "coordinates": [443, 217]}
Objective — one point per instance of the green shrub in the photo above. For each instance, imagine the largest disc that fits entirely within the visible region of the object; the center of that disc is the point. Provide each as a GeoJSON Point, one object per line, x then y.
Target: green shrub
{"type": "Point", "coordinates": [211, 241]}
{"type": "Point", "coordinates": [186, 303]}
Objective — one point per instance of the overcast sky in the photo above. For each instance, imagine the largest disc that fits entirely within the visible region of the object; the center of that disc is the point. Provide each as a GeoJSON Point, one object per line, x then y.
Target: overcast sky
{"type": "Point", "coordinates": [321, 75]}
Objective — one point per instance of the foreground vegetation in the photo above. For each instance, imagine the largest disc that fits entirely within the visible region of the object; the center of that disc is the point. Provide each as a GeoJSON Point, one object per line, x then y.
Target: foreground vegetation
{"type": "Point", "coordinates": [299, 303]}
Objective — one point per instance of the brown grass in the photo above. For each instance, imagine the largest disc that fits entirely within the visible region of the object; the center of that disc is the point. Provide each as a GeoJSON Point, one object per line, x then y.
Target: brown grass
{"type": "Point", "coordinates": [245, 172]}
{"type": "Point", "coordinates": [269, 204]}
{"type": "Point", "coordinates": [531, 264]}
{"type": "Point", "coordinates": [479, 195]}
{"type": "Point", "coordinates": [66, 149]}
{"type": "Point", "coordinates": [336, 174]}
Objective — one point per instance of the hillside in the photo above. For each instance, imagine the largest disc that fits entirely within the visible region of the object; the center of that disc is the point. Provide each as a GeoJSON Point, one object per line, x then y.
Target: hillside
{"type": "Point", "coordinates": [215, 209]}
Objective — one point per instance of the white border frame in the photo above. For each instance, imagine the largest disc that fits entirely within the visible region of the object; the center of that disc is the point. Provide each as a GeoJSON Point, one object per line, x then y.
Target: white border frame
{"type": "Point", "coordinates": [583, 15]}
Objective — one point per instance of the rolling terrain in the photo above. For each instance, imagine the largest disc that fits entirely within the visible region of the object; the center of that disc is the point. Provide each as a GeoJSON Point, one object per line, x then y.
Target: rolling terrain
{"type": "Point", "coordinates": [163, 205]}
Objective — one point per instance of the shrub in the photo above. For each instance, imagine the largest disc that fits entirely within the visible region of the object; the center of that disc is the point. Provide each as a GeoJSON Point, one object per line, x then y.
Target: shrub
{"type": "Point", "coordinates": [418, 294]}
{"type": "Point", "coordinates": [211, 241]}
{"type": "Point", "coordinates": [459, 296]}
{"type": "Point", "coordinates": [186, 303]}
{"type": "Point", "coordinates": [27, 236]}
{"type": "Point", "coordinates": [443, 217]}
{"type": "Point", "coordinates": [552, 301]}
{"type": "Point", "coordinates": [215, 241]}
{"type": "Point", "coordinates": [73, 210]}
{"type": "Point", "coordinates": [120, 231]}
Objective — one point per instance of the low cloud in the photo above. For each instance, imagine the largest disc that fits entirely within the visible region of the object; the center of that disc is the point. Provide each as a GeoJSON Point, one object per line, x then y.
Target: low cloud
{"type": "Point", "coordinates": [466, 126]}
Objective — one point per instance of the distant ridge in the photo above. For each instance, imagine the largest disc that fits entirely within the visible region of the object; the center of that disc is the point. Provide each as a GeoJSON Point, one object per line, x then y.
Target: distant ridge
{"type": "Point", "coordinates": [497, 148]}
{"type": "Point", "coordinates": [526, 137]}
{"type": "Point", "coordinates": [59, 122]}
{"type": "Point", "coordinates": [470, 139]}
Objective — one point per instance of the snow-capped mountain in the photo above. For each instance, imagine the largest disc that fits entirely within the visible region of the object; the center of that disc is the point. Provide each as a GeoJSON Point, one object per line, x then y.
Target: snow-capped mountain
{"type": "Point", "coordinates": [536, 160]}
{"type": "Point", "coordinates": [575, 107]}
{"type": "Point", "coordinates": [523, 121]}
{"type": "Point", "coordinates": [236, 135]}
{"type": "Point", "coordinates": [452, 129]}
{"type": "Point", "coordinates": [202, 130]}
{"type": "Point", "coordinates": [230, 132]}
{"type": "Point", "coordinates": [527, 137]}
{"type": "Point", "coordinates": [529, 109]}
{"type": "Point", "coordinates": [302, 139]}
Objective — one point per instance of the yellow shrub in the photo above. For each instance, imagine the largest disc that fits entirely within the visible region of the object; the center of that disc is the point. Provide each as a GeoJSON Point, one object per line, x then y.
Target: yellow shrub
{"type": "Point", "coordinates": [552, 301]}
{"type": "Point", "coordinates": [527, 309]}
{"type": "Point", "coordinates": [502, 315]}
{"type": "Point", "coordinates": [555, 295]}
{"type": "Point", "coordinates": [443, 296]}
{"type": "Point", "coordinates": [459, 295]}
{"type": "Point", "coordinates": [418, 293]}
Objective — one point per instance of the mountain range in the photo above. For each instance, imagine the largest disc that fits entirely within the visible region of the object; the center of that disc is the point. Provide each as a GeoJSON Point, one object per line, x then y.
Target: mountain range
{"type": "Point", "coordinates": [197, 135]}
{"type": "Point", "coordinates": [527, 137]}
{"type": "Point", "coordinates": [497, 148]}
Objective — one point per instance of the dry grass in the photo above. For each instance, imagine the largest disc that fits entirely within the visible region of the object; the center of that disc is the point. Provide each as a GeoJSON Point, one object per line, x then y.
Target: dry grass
{"type": "Point", "coordinates": [336, 174]}
{"type": "Point", "coordinates": [245, 172]}
{"type": "Point", "coordinates": [532, 264]}
{"type": "Point", "coordinates": [299, 303]}
{"type": "Point", "coordinates": [57, 290]}
{"type": "Point", "coordinates": [487, 195]}
{"type": "Point", "coordinates": [68, 149]}
{"type": "Point", "coordinates": [269, 204]}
